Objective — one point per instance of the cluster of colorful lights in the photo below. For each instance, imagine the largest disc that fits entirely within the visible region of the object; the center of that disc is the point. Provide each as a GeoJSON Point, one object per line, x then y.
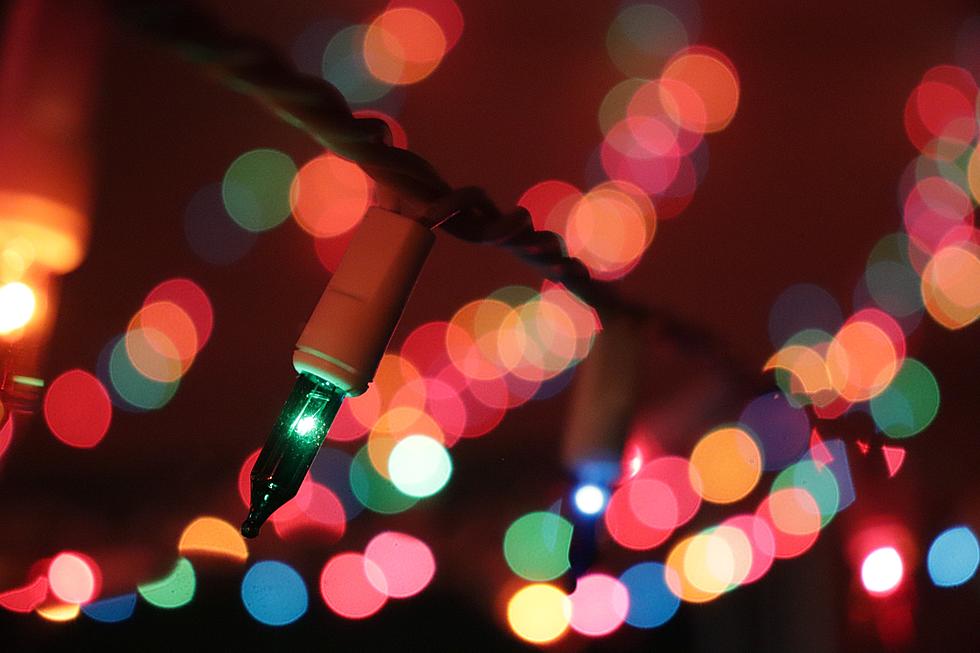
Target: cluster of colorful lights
{"type": "Point", "coordinates": [137, 371]}
{"type": "Point", "coordinates": [354, 585]}
{"type": "Point", "coordinates": [449, 381]}
{"type": "Point", "coordinates": [653, 153]}
{"type": "Point", "coordinates": [823, 362]}
{"type": "Point", "coordinates": [456, 379]}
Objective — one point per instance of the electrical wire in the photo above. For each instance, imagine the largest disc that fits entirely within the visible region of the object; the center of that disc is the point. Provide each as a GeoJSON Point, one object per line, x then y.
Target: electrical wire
{"type": "Point", "coordinates": [257, 69]}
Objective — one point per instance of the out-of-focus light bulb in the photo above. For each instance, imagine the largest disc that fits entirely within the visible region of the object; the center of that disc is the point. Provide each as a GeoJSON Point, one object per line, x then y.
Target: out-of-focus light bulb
{"type": "Point", "coordinates": [882, 571]}
{"type": "Point", "coordinates": [590, 499]}
{"type": "Point", "coordinates": [17, 305]}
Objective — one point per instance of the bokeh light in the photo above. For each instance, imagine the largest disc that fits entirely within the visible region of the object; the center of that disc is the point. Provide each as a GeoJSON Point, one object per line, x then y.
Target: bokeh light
{"type": "Point", "coordinates": [712, 76]}
{"type": "Point", "coordinates": [445, 12]}
{"type": "Point", "coordinates": [610, 227]}
{"type": "Point", "coordinates": [589, 499]}
{"type": "Point", "coordinates": [211, 233]}
{"type": "Point", "coordinates": [863, 359]}
{"type": "Point", "coordinates": [77, 409]}
{"type": "Point", "coordinates": [419, 466]}
{"type": "Point", "coordinates": [728, 463]}
{"type": "Point", "coordinates": [343, 66]}
{"type": "Point", "coordinates": [539, 613]}
{"type": "Point", "coordinates": [549, 202]}
{"type": "Point", "coordinates": [376, 492]}
{"type": "Point", "coordinates": [800, 307]}
{"type": "Point", "coordinates": [710, 572]}
{"type": "Point", "coordinates": [953, 557]}
{"type": "Point", "coordinates": [17, 305]}
{"type": "Point", "coordinates": [174, 590]}
{"type": "Point", "coordinates": [403, 45]}
{"type": "Point", "coordinates": [134, 390]}
{"type": "Point", "coordinates": [758, 534]}
{"type": "Point", "coordinates": [255, 189]}
{"type": "Point", "coordinates": [642, 513]}
{"type": "Point", "coordinates": [910, 402]}
{"type": "Point", "coordinates": [274, 593]}
{"type": "Point", "coordinates": [951, 285]}
{"type": "Point", "coordinates": [330, 195]}
{"type": "Point", "coordinates": [651, 603]}
{"type": "Point", "coordinates": [599, 604]}
{"type": "Point", "coordinates": [536, 546]}
{"type": "Point", "coordinates": [642, 37]}
{"type": "Point", "coordinates": [406, 562]}
{"type": "Point", "coordinates": [59, 612]}
{"type": "Point", "coordinates": [781, 429]}
{"type": "Point", "coordinates": [794, 518]}
{"type": "Point", "coordinates": [882, 571]}
{"type": "Point", "coordinates": [26, 598]}
{"type": "Point", "coordinates": [111, 610]}
{"type": "Point", "coordinates": [818, 480]}
{"type": "Point", "coordinates": [212, 536]}
{"type": "Point", "coordinates": [321, 516]}
{"type": "Point", "coordinates": [74, 578]}
{"type": "Point", "coordinates": [942, 107]}
{"type": "Point", "coordinates": [349, 585]}
{"type": "Point", "coordinates": [161, 341]}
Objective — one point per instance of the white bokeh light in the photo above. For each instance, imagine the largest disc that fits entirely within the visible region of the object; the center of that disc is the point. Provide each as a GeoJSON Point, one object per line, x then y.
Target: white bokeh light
{"type": "Point", "coordinates": [882, 570]}
{"type": "Point", "coordinates": [590, 499]}
{"type": "Point", "coordinates": [17, 304]}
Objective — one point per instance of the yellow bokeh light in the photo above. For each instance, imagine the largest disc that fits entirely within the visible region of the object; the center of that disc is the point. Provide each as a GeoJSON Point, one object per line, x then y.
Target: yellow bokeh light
{"type": "Point", "coordinates": [807, 366]}
{"type": "Point", "coordinates": [539, 613]}
{"type": "Point", "coordinates": [741, 549]}
{"type": "Point", "coordinates": [214, 536]}
{"type": "Point", "coordinates": [951, 286]}
{"type": "Point", "coordinates": [677, 575]}
{"type": "Point", "coordinates": [709, 563]}
{"type": "Point", "coordinates": [59, 612]}
{"type": "Point", "coordinates": [17, 306]}
{"type": "Point", "coordinates": [729, 464]}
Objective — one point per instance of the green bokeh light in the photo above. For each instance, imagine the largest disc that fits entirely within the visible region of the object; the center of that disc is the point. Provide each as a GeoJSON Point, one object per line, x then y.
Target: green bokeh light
{"type": "Point", "coordinates": [909, 404]}
{"type": "Point", "coordinates": [255, 189]}
{"type": "Point", "coordinates": [536, 546]}
{"type": "Point", "coordinates": [816, 478]}
{"type": "Point", "coordinates": [642, 38]}
{"type": "Point", "coordinates": [344, 66]}
{"type": "Point", "coordinates": [174, 590]}
{"type": "Point", "coordinates": [134, 388]}
{"type": "Point", "coordinates": [375, 491]}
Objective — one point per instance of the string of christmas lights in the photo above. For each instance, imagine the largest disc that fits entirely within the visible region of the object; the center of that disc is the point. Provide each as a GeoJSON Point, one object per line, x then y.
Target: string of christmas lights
{"type": "Point", "coordinates": [826, 363]}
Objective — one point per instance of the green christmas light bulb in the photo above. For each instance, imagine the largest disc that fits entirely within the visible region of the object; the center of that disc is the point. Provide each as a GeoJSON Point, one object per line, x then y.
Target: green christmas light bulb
{"type": "Point", "coordinates": [291, 447]}
{"type": "Point", "coordinates": [339, 351]}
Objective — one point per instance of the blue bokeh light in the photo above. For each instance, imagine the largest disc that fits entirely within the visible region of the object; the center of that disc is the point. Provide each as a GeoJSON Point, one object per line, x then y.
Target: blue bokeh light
{"type": "Point", "coordinates": [111, 610]}
{"type": "Point", "coordinates": [953, 557]}
{"type": "Point", "coordinates": [274, 593]}
{"type": "Point", "coordinates": [652, 603]}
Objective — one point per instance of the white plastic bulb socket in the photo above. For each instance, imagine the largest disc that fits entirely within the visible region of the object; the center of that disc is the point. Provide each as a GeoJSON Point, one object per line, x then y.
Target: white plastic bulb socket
{"type": "Point", "coordinates": [347, 334]}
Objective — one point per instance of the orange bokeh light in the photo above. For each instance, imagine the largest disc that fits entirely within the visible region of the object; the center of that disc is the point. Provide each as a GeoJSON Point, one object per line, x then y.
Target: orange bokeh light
{"type": "Point", "coordinates": [713, 78]}
{"type": "Point", "coordinates": [403, 45]}
{"type": "Point", "coordinates": [330, 195]}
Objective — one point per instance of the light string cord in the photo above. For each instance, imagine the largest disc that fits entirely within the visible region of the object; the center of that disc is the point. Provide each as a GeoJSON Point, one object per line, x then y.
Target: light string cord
{"type": "Point", "coordinates": [257, 69]}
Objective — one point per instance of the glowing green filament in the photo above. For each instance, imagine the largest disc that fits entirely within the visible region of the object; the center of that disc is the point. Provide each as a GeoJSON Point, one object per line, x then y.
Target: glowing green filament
{"type": "Point", "coordinates": [304, 425]}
